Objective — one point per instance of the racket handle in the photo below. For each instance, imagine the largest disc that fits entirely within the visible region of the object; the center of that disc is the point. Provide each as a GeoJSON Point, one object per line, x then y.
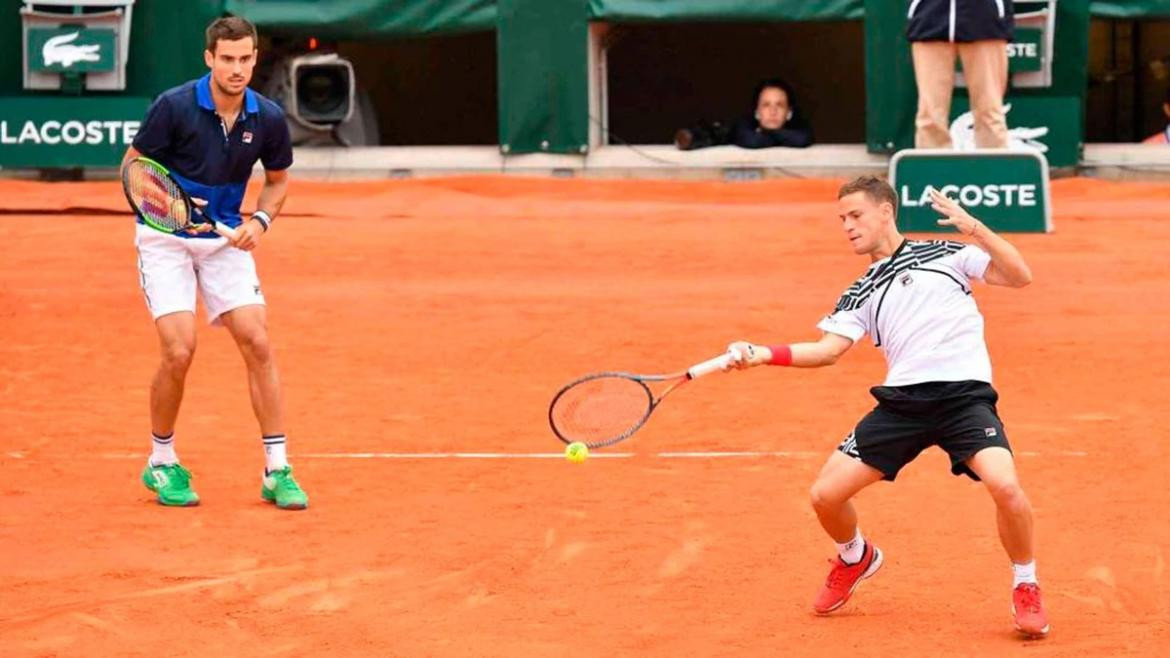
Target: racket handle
{"type": "Point", "coordinates": [216, 225]}
{"type": "Point", "coordinates": [709, 366]}
{"type": "Point", "coordinates": [224, 230]}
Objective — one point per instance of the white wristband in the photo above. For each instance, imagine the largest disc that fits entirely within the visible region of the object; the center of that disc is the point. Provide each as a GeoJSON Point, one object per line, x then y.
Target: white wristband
{"type": "Point", "coordinates": [264, 218]}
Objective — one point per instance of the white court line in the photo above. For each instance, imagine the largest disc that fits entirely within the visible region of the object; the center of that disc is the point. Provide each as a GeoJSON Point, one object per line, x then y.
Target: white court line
{"type": "Point", "coordinates": [596, 454]}
{"type": "Point", "coordinates": [799, 454]}
{"type": "Point", "coordinates": [1055, 453]}
{"type": "Point", "coordinates": [550, 455]}
{"type": "Point", "coordinates": [714, 454]}
{"type": "Point", "coordinates": [458, 455]}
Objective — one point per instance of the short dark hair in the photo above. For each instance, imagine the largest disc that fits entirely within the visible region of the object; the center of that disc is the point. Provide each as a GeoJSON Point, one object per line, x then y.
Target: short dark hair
{"type": "Point", "coordinates": [231, 28]}
{"type": "Point", "coordinates": [877, 189]}
{"type": "Point", "coordinates": [774, 83]}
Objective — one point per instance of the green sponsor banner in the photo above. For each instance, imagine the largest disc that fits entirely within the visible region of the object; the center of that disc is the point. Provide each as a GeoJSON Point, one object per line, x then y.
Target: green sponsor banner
{"type": "Point", "coordinates": [1025, 52]}
{"type": "Point", "coordinates": [1051, 124]}
{"type": "Point", "coordinates": [1007, 190]}
{"type": "Point", "coordinates": [891, 97]}
{"type": "Point", "coordinates": [71, 50]}
{"type": "Point", "coordinates": [88, 131]}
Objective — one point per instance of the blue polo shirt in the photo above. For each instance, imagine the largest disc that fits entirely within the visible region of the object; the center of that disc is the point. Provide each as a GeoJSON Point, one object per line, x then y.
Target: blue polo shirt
{"type": "Point", "coordinates": [182, 131]}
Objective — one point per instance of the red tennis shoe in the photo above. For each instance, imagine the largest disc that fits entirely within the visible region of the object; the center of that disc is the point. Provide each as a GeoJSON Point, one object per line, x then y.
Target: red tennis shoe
{"type": "Point", "coordinates": [1028, 609]}
{"type": "Point", "coordinates": [844, 578]}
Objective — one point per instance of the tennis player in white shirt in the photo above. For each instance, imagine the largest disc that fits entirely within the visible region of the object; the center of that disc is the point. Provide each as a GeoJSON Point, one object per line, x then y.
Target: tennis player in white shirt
{"type": "Point", "coordinates": [915, 302]}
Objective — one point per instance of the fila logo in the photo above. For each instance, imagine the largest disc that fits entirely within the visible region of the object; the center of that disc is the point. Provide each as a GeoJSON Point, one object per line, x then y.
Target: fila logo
{"type": "Point", "coordinates": [246, 137]}
{"type": "Point", "coordinates": [256, 289]}
{"type": "Point", "coordinates": [905, 279]}
{"type": "Point", "coordinates": [160, 478]}
{"type": "Point", "coordinates": [990, 431]}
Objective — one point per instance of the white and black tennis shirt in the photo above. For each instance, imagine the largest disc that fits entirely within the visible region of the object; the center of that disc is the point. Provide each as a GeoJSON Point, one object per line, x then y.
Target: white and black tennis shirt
{"type": "Point", "coordinates": [917, 307]}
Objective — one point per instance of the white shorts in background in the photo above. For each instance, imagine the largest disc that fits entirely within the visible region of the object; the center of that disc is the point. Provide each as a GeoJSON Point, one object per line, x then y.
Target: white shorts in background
{"type": "Point", "coordinates": [170, 268]}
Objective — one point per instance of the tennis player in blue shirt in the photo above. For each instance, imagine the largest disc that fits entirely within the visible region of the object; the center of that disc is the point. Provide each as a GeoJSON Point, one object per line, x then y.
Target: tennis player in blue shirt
{"type": "Point", "coordinates": [209, 133]}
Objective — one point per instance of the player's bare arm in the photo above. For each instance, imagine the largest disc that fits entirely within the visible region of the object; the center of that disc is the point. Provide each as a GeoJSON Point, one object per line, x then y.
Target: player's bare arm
{"type": "Point", "coordinates": [271, 200]}
{"type": "Point", "coordinates": [823, 352]}
{"type": "Point", "coordinates": [1007, 265]}
{"type": "Point", "coordinates": [275, 191]}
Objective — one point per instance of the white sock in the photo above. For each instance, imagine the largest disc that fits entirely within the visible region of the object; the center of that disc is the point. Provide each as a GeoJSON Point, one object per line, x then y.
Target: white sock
{"type": "Point", "coordinates": [1023, 573]}
{"type": "Point", "coordinates": [274, 456]}
{"type": "Point", "coordinates": [162, 449]}
{"type": "Point", "coordinates": [852, 550]}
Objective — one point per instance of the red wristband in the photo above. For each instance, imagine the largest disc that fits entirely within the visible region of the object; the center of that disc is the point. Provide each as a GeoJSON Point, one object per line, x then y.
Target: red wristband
{"type": "Point", "coordinates": [781, 355]}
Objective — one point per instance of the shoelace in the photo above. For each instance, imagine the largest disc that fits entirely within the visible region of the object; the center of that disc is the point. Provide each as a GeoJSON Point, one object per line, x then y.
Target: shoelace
{"type": "Point", "coordinates": [1031, 598]}
{"type": "Point", "coordinates": [284, 481]}
{"type": "Point", "coordinates": [178, 473]}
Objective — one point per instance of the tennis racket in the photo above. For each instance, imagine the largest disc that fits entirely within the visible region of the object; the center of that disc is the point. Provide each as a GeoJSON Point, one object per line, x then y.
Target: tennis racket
{"type": "Point", "coordinates": [606, 407]}
{"type": "Point", "coordinates": [161, 202]}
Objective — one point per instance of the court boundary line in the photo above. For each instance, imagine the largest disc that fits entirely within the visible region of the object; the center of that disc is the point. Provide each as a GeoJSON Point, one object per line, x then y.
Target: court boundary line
{"type": "Point", "coordinates": [597, 454]}
{"type": "Point", "coordinates": [698, 454]}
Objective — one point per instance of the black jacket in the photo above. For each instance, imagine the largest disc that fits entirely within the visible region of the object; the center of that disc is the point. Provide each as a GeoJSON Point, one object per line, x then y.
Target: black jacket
{"type": "Point", "coordinates": [748, 134]}
{"type": "Point", "coordinates": [959, 20]}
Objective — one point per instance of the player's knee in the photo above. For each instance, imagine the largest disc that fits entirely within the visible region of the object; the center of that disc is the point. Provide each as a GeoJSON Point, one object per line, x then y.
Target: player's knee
{"type": "Point", "coordinates": [1009, 496]}
{"type": "Point", "coordinates": [822, 497]}
{"type": "Point", "coordinates": [256, 346]}
{"type": "Point", "coordinates": [177, 356]}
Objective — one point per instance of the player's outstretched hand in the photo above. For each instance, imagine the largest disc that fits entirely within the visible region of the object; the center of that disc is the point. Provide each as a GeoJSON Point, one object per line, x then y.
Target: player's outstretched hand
{"type": "Point", "coordinates": [747, 355]}
{"type": "Point", "coordinates": [954, 214]}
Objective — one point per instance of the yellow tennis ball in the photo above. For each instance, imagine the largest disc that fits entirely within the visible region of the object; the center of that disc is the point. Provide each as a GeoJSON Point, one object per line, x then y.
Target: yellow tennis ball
{"type": "Point", "coordinates": [576, 452]}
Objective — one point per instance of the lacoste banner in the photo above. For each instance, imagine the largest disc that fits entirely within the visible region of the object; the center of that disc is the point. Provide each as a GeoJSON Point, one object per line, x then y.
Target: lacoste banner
{"type": "Point", "coordinates": [58, 50]}
{"type": "Point", "coordinates": [1024, 51]}
{"type": "Point", "coordinates": [1005, 189]}
{"type": "Point", "coordinates": [86, 131]}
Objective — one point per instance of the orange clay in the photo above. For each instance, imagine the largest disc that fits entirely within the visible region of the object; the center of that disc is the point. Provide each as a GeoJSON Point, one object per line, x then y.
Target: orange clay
{"type": "Point", "coordinates": [439, 315]}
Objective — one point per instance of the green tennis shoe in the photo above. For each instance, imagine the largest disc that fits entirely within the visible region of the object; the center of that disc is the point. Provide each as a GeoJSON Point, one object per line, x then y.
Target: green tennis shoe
{"type": "Point", "coordinates": [172, 483]}
{"type": "Point", "coordinates": [279, 487]}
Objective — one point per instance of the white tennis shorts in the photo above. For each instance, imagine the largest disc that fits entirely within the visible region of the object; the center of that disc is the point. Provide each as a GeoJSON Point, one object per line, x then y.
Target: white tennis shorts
{"type": "Point", "coordinates": [170, 268]}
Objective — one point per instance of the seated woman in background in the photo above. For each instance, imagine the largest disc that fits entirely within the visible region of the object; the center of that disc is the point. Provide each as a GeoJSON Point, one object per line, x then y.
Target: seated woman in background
{"type": "Point", "coordinates": [776, 122]}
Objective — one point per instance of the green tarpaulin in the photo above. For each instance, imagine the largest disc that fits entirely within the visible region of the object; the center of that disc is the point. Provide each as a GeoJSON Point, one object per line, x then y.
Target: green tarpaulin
{"type": "Point", "coordinates": [367, 19]}
{"type": "Point", "coordinates": [370, 19]}
{"type": "Point", "coordinates": [544, 87]}
{"type": "Point", "coordinates": [1131, 9]}
{"type": "Point", "coordinates": [738, 10]}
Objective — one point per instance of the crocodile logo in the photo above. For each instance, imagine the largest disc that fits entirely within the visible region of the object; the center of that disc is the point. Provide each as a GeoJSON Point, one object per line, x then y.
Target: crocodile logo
{"type": "Point", "coordinates": [61, 50]}
{"type": "Point", "coordinates": [963, 134]}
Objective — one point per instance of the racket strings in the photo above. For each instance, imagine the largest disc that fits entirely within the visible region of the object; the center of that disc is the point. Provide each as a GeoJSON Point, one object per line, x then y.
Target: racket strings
{"type": "Point", "coordinates": [157, 196]}
{"type": "Point", "coordinates": [600, 410]}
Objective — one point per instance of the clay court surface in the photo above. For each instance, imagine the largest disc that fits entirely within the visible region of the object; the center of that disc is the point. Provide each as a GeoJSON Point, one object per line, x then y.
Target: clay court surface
{"type": "Point", "coordinates": [439, 316]}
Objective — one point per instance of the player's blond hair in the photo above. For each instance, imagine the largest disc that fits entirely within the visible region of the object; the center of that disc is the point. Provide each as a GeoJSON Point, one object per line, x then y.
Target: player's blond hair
{"type": "Point", "coordinates": [231, 28]}
{"type": "Point", "coordinates": [877, 189]}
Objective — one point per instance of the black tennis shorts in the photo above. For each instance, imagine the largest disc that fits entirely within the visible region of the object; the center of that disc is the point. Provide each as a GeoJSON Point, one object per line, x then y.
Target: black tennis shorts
{"type": "Point", "coordinates": [959, 417]}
